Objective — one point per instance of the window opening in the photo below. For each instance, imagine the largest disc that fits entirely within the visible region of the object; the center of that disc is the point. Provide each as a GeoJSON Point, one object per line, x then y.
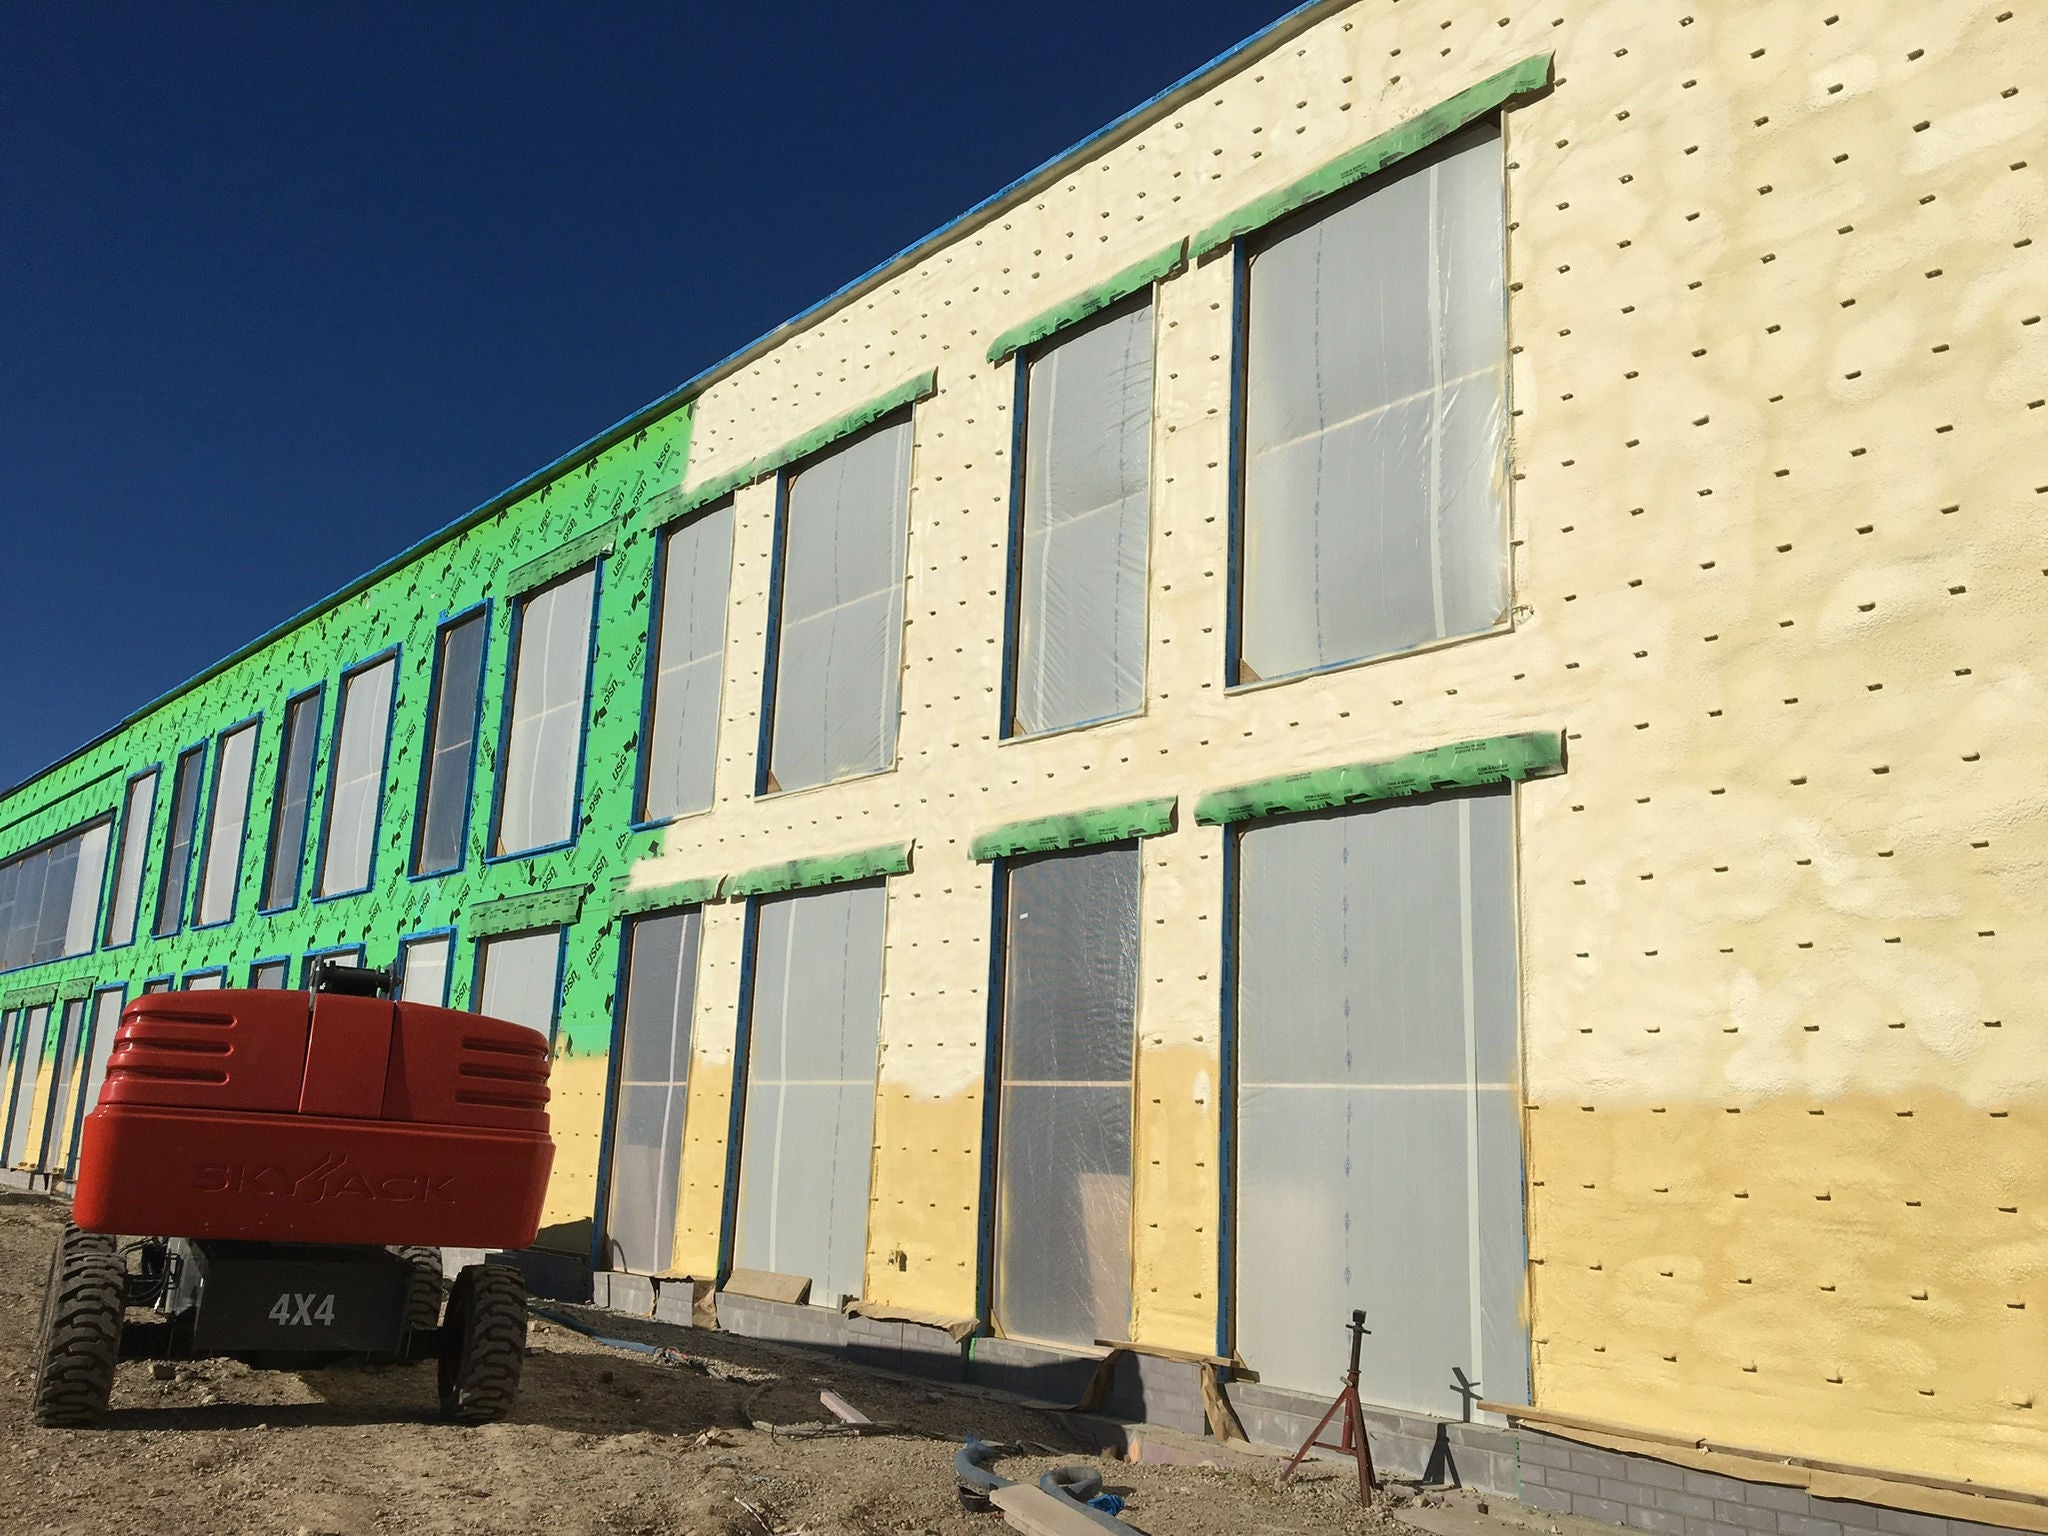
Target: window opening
{"type": "Point", "coordinates": [544, 738]}
{"type": "Point", "coordinates": [654, 1089]}
{"type": "Point", "coordinates": [220, 864]}
{"type": "Point", "coordinates": [687, 658]}
{"type": "Point", "coordinates": [519, 978]}
{"type": "Point", "coordinates": [138, 806]}
{"type": "Point", "coordinates": [288, 817]}
{"type": "Point", "coordinates": [445, 781]}
{"type": "Point", "coordinates": [50, 897]}
{"type": "Point", "coordinates": [423, 967]}
{"type": "Point", "coordinates": [355, 793]}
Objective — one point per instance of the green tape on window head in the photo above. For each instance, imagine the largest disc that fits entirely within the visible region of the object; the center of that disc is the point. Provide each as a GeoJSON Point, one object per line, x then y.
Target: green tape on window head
{"type": "Point", "coordinates": [1082, 829]}
{"type": "Point", "coordinates": [1462, 765]}
{"type": "Point", "coordinates": [1376, 154]}
{"type": "Point", "coordinates": [656, 898]}
{"type": "Point", "coordinates": [1140, 274]}
{"type": "Point", "coordinates": [834, 869]}
{"type": "Point", "coordinates": [563, 559]}
{"type": "Point", "coordinates": [530, 909]}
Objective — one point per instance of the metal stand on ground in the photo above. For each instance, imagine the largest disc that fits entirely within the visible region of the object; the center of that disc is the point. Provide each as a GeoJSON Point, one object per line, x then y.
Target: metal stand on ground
{"type": "Point", "coordinates": [1352, 1443]}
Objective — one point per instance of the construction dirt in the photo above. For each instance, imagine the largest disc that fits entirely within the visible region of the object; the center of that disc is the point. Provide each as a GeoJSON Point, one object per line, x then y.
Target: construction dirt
{"type": "Point", "coordinates": [726, 1442]}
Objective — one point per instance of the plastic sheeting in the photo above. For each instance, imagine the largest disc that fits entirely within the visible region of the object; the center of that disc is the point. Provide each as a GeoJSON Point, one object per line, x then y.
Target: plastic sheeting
{"type": "Point", "coordinates": [654, 1088]}
{"type": "Point", "coordinates": [294, 791]}
{"type": "Point", "coordinates": [269, 975]}
{"type": "Point", "coordinates": [1087, 522]}
{"type": "Point", "coordinates": [444, 799]}
{"type": "Point", "coordinates": [1375, 389]}
{"type": "Point", "coordinates": [807, 1146]}
{"type": "Point", "coordinates": [28, 1069]}
{"type": "Point", "coordinates": [839, 652]}
{"type": "Point", "coordinates": [357, 791]}
{"type": "Point", "coordinates": [56, 1154]}
{"type": "Point", "coordinates": [423, 967]}
{"type": "Point", "coordinates": [221, 865]}
{"type": "Point", "coordinates": [1063, 1191]}
{"type": "Point", "coordinates": [519, 977]}
{"type": "Point", "coordinates": [174, 883]}
{"type": "Point", "coordinates": [696, 571]}
{"type": "Point", "coordinates": [549, 677]}
{"type": "Point", "coordinates": [1378, 1135]}
{"type": "Point", "coordinates": [49, 899]}
{"type": "Point", "coordinates": [138, 805]}
{"type": "Point", "coordinates": [106, 1020]}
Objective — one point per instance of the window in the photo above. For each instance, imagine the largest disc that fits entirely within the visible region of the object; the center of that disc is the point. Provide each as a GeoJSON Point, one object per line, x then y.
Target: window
{"type": "Point", "coordinates": [1379, 1158]}
{"type": "Point", "coordinates": [1083, 526]}
{"type": "Point", "coordinates": [220, 865]}
{"type": "Point", "coordinates": [270, 975]}
{"type": "Point", "coordinates": [423, 969]}
{"type": "Point", "coordinates": [206, 981]}
{"type": "Point", "coordinates": [834, 673]}
{"type": "Point", "coordinates": [137, 807]}
{"type": "Point", "coordinates": [50, 897]}
{"type": "Point", "coordinates": [347, 954]}
{"type": "Point", "coordinates": [1373, 517]}
{"type": "Point", "coordinates": [156, 984]}
{"type": "Point", "coordinates": [65, 1099]}
{"type": "Point", "coordinates": [543, 745]}
{"type": "Point", "coordinates": [442, 821]}
{"type": "Point", "coordinates": [519, 977]}
{"type": "Point", "coordinates": [293, 800]}
{"type": "Point", "coordinates": [174, 884]}
{"type": "Point", "coordinates": [654, 1090]}
{"type": "Point", "coordinates": [1063, 1171]}
{"type": "Point", "coordinates": [355, 793]}
{"type": "Point", "coordinates": [28, 1077]}
{"type": "Point", "coordinates": [808, 1142]}
{"type": "Point", "coordinates": [687, 660]}
{"type": "Point", "coordinates": [106, 1024]}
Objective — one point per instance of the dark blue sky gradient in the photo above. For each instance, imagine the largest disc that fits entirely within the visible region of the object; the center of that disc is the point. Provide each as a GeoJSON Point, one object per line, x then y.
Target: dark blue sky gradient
{"type": "Point", "coordinates": [284, 288]}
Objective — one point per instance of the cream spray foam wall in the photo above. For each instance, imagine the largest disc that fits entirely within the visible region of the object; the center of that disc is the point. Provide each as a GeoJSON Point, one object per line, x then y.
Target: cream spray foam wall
{"type": "Point", "coordinates": [1780, 573]}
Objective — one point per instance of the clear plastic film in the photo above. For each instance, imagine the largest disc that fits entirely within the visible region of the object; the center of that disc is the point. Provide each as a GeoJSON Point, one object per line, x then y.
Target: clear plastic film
{"type": "Point", "coordinates": [839, 654]}
{"type": "Point", "coordinates": [1378, 1142]}
{"type": "Point", "coordinates": [654, 1087]}
{"type": "Point", "coordinates": [1063, 1212]}
{"type": "Point", "coordinates": [548, 679]}
{"type": "Point", "coordinates": [1375, 398]}
{"type": "Point", "coordinates": [458, 682]}
{"type": "Point", "coordinates": [520, 975]}
{"type": "Point", "coordinates": [1087, 459]}
{"type": "Point", "coordinates": [690, 665]}
{"type": "Point", "coordinates": [424, 971]}
{"type": "Point", "coordinates": [294, 790]}
{"type": "Point", "coordinates": [222, 862]}
{"type": "Point", "coordinates": [358, 778]}
{"type": "Point", "coordinates": [138, 806]}
{"type": "Point", "coordinates": [106, 1020]}
{"type": "Point", "coordinates": [63, 1086]}
{"type": "Point", "coordinates": [807, 1148]}
{"type": "Point", "coordinates": [28, 1068]}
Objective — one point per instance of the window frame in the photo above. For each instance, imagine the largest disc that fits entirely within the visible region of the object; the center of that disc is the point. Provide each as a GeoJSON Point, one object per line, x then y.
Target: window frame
{"type": "Point", "coordinates": [481, 948]}
{"type": "Point", "coordinates": [253, 723]}
{"type": "Point", "coordinates": [392, 654]}
{"type": "Point", "coordinates": [264, 960]}
{"type": "Point", "coordinates": [406, 941]}
{"type": "Point", "coordinates": [142, 867]}
{"type": "Point", "coordinates": [205, 970]}
{"type": "Point", "coordinates": [86, 1050]}
{"type": "Point", "coordinates": [318, 694]}
{"type": "Point", "coordinates": [1013, 566]}
{"type": "Point", "coordinates": [156, 930]}
{"type": "Point", "coordinates": [517, 602]}
{"type": "Point", "coordinates": [153, 985]}
{"type": "Point", "coordinates": [651, 669]}
{"type": "Point", "coordinates": [474, 612]}
{"type": "Point", "coordinates": [108, 819]}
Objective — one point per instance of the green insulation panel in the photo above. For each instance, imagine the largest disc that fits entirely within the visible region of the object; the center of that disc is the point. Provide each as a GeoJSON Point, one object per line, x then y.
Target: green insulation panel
{"type": "Point", "coordinates": [1376, 154]}
{"type": "Point", "coordinates": [834, 869]}
{"type": "Point", "coordinates": [1081, 829]}
{"type": "Point", "coordinates": [1461, 765]}
{"type": "Point", "coordinates": [1140, 274]}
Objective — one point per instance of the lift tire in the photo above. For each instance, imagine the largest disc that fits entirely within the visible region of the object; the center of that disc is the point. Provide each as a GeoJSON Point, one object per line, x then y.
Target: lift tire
{"type": "Point", "coordinates": [79, 1342]}
{"type": "Point", "coordinates": [484, 1343]}
{"type": "Point", "coordinates": [423, 1287]}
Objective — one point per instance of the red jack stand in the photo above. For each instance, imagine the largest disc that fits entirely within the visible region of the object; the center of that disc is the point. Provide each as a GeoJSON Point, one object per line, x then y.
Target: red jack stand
{"type": "Point", "coordinates": [1353, 1442]}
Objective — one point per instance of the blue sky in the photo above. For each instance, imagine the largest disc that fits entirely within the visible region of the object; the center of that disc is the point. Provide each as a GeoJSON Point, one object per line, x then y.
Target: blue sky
{"type": "Point", "coordinates": [284, 288]}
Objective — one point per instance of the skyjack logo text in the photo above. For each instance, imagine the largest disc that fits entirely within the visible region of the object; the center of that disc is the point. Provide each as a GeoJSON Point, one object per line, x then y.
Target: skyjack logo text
{"type": "Point", "coordinates": [331, 1178]}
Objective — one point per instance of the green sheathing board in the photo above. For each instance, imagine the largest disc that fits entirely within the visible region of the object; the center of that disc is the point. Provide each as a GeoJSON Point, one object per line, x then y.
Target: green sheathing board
{"type": "Point", "coordinates": [1139, 274]}
{"type": "Point", "coordinates": [601, 501]}
{"type": "Point", "coordinates": [1376, 154]}
{"type": "Point", "coordinates": [1461, 765]}
{"type": "Point", "coordinates": [833, 869]}
{"type": "Point", "coordinates": [1081, 829]}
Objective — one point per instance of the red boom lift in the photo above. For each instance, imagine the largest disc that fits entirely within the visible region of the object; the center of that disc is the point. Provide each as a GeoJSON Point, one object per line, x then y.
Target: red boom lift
{"type": "Point", "coordinates": [287, 1167]}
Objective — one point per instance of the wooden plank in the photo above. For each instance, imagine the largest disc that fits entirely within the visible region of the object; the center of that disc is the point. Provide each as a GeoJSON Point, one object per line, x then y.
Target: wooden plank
{"type": "Point", "coordinates": [766, 1285]}
{"type": "Point", "coordinates": [1029, 1508]}
{"type": "Point", "coordinates": [842, 1410]}
{"type": "Point", "coordinates": [1160, 1352]}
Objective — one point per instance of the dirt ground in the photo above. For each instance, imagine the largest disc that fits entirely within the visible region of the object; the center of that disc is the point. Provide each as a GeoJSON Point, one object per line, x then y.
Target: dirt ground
{"type": "Point", "coordinates": [604, 1442]}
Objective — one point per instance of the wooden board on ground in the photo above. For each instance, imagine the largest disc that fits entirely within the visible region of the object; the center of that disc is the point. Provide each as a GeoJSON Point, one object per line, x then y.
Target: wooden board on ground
{"type": "Point", "coordinates": [1032, 1509]}
{"type": "Point", "coordinates": [766, 1285]}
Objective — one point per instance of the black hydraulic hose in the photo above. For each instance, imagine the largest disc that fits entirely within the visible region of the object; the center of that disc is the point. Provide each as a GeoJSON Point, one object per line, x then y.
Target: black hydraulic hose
{"type": "Point", "coordinates": [1074, 1486]}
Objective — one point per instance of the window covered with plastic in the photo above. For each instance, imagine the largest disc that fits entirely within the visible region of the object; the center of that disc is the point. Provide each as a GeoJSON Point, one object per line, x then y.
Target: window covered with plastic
{"type": "Point", "coordinates": [654, 1089]}
{"type": "Point", "coordinates": [1375, 382]}
{"type": "Point", "coordinates": [106, 1020]}
{"type": "Point", "coordinates": [50, 897]}
{"type": "Point", "coordinates": [220, 865]}
{"type": "Point", "coordinates": [423, 970]}
{"type": "Point", "coordinates": [451, 751]}
{"type": "Point", "coordinates": [355, 795]}
{"type": "Point", "coordinates": [839, 643]}
{"type": "Point", "coordinates": [688, 662]}
{"type": "Point", "coordinates": [292, 802]}
{"type": "Point", "coordinates": [1086, 523]}
{"type": "Point", "coordinates": [27, 1077]}
{"type": "Point", "coordinates": [174, 878]}
{"type": "Point", "coordinates": [544, 744]}
{"type": "Point", "coordinates": [138, 805]}
{"type": "Point", "coordinates": [519, 978]}
{"type": "Point", "coordinates": [807, 1143]}
{"type": "Point", "coordinates": [1379, 1156]}
{"type": "Point", "coordinates": [1063, 1172]}
{"type": "Point", "coordinates": [64, 1085]}
{"type": "Point", "coordinates": [269, 975]}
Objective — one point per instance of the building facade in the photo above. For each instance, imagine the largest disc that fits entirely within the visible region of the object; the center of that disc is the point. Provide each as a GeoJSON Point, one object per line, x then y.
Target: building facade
{"type": "Point", "coordinates": [1411, 680]}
